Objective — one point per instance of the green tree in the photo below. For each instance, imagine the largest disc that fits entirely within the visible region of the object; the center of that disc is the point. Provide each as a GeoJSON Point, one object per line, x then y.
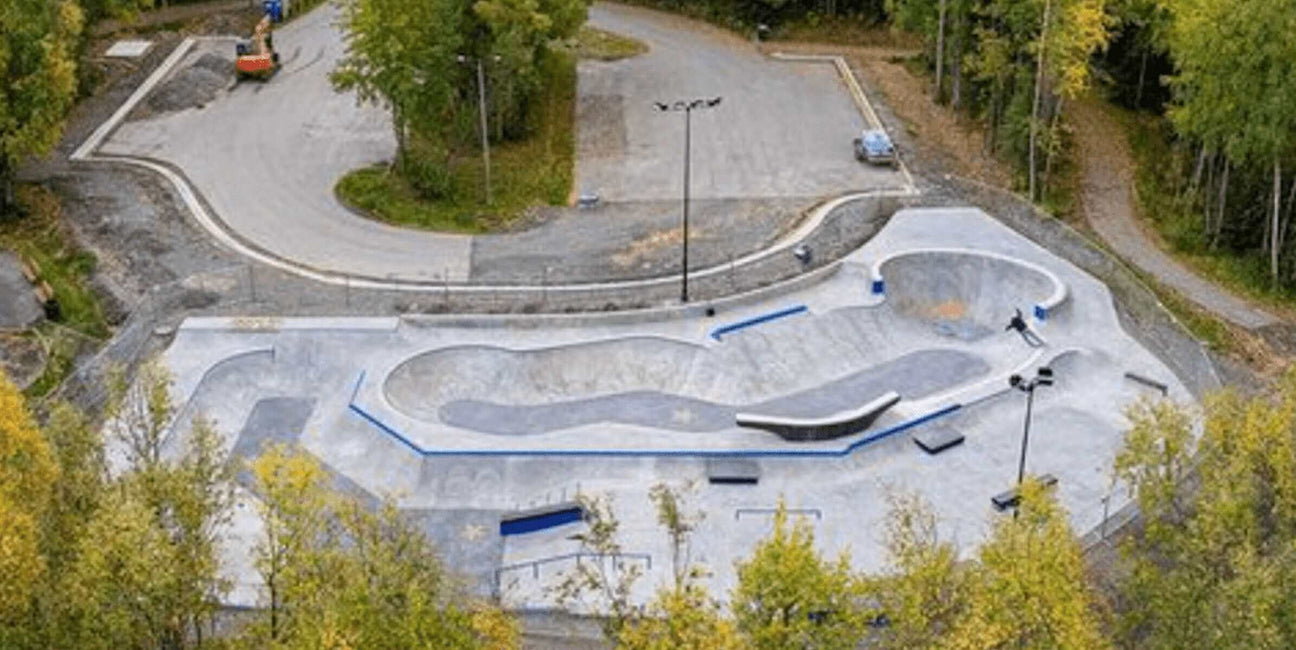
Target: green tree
{"type": "Point", "coordinates": [926, 592]}
{"type": "Point", "coordinates": [1028, 588]}
{"type": "Point", "coordinates": [28, 475]}
{"type": "Point", "coordinates": [1214, 563]}
{"type": "Point", "coordinates": [404, 55]}
{"type": "Point", "coordinates": [342, 575]}
{"type": "Point", "coordinates": [38, 41]}
{"type": "Point", "coordinates": [1235, 62]}
{"type": "Point", "coordinates": [788, 596]}
{"type": "Point", "coordinates": [683, 614]}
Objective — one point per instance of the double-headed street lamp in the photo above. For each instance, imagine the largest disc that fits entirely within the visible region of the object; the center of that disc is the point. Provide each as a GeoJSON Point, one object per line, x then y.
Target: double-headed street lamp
{"type": "Point", "coordinates": [687, 107]}
{"type": "Point", "coordinates": [1043, 377]}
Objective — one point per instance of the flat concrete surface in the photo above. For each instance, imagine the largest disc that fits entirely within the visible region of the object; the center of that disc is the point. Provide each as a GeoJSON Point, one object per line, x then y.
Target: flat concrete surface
{"type": "Point", "coordinates": [782, 129]}
{"type": "Point", "coordinates": [265, 158]}
{"type": "Point", "coordinates": [19, 308]}
{"type": "Point", "coordinates": [225, 367]}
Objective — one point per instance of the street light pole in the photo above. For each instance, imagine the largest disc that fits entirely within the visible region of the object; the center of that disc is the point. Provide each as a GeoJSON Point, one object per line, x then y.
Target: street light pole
{"type": "Point", "coordinates": [1021, 464]}
{"type": "Point", "coordinates": [688, 155]}
{"type": "Point", "coordinates": [687, 108]}
{"type": "Point", "coordinates": [1044, 377]}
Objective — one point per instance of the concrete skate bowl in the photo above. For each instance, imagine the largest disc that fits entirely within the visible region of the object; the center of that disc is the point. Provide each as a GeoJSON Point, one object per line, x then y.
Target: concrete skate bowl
{"type": "Point", "coordinates": [644, 382]}
{"type": "Point", "coordinates": [967, 294]}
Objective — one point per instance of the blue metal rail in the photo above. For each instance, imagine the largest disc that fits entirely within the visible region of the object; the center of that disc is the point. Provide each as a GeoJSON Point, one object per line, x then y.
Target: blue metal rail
{"type": "Point", "coordinates": [757, 320]}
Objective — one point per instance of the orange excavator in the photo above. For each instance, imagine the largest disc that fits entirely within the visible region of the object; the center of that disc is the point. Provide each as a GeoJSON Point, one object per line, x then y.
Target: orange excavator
{"type": "Point", "coordinates": [256, 56]}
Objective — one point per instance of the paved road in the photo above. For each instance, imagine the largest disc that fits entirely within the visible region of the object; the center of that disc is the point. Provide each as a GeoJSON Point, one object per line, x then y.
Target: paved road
{"type": "Point", "coordinates": [1109, 205]}
{"type": "Point", "coordinates": [783, 129]}
{"type": "Point", "coordinates": [265, 157]}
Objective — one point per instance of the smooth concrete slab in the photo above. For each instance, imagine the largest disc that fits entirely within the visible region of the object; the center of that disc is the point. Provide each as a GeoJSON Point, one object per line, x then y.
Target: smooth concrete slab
{"type": "Point", "coordinates": [128, 49]}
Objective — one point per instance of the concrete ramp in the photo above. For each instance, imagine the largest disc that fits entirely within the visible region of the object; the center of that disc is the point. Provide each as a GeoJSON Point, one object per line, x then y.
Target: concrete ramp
{"type": "Point", "coordinates": [825, 428]}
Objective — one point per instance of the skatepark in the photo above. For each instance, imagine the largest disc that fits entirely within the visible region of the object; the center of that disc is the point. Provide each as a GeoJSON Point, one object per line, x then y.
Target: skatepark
{"type": "Point", "coordinates": [468, 419]}
{"type": "Point", "coordinates": [825, 390]}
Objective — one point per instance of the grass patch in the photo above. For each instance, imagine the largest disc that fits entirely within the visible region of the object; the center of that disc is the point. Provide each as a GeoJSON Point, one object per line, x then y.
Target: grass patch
{"type": "Point", "coordinates": [601, 45]}
{"type": "Point", "coordinates": [524, 174]}
{"type": "Point", "coordinates": [1177, 220]}
{"type": "Point", "coordinates": [38, 235]}
{"type": "Point", "coordinates": [854, 31]}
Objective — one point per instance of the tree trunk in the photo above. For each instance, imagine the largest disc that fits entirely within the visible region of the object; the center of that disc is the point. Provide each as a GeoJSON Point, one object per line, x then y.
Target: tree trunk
{"type": "Point", "coordinates": [940, 53]}
{"type": "Point", "coordinates": [1223, 201]}
{"type": "Point", "coordinates": [1138, 94]}
{"type": "Point", "coordinates": [1287, 215]}
{"type": "Point", "coordinates": [1039, 84]}
{"type": "Point", "coordinates": [956, 64]}
{"type": "Point", "coordinates": [1273, 227]}
{"type": "Point", "coordinates": [1197, 172]}
{"type": "Point", "coordinates": [1052, 144]}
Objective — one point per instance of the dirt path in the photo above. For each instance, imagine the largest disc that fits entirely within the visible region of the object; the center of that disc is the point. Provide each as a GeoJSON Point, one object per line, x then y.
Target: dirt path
{"type": "Point", "coordinates": [1107, 198]}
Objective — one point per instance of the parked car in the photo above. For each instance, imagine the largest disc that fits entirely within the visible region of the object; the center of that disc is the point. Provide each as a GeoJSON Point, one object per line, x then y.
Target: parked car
{"type": "Point", "coordinates": [874, 146]}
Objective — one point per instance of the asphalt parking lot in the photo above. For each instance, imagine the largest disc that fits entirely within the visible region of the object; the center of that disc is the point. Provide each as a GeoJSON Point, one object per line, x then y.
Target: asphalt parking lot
{"type": "Point", "coordinates": [782, 129]}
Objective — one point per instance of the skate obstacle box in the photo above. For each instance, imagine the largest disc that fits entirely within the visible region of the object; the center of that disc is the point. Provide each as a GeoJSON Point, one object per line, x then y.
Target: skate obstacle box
{"type": "Point", "coordinates": [732, 471]}
{"type": "Point", "coordinates": [935, 439]}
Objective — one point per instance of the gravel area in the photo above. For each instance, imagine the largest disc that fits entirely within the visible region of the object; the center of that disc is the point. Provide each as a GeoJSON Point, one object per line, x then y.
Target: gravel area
{"type": "Point", "coordinates": [194, 86]}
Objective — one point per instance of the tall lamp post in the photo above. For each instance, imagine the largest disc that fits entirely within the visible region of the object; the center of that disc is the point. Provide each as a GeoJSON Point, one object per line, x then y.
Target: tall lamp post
{"type": "Point", "coordinates": [1043, 377]}
{"type": "Point", "coordinates": [687, 107]}
{"type": "Point", "coordinates": [481, 104]}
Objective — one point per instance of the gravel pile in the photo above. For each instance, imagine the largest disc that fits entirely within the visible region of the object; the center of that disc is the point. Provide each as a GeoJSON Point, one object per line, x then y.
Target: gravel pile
{"type": "Point", "coordinates": [193, 86]}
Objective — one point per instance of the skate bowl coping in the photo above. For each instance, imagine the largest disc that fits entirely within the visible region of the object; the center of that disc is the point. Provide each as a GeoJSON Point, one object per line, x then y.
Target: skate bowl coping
{"type": "Point", "coordinates": [962, 284]}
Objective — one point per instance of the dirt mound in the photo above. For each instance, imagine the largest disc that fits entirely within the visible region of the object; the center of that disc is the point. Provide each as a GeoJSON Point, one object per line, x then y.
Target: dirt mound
{"type": "Point", "coordinates": [194, 86]}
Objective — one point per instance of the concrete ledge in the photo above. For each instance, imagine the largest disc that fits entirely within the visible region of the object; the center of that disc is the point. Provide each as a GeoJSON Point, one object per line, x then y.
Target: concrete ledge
{"type": "Point", "coordinates": [826, 428]}
{"type": "Point", "coordinates": [276, 324]}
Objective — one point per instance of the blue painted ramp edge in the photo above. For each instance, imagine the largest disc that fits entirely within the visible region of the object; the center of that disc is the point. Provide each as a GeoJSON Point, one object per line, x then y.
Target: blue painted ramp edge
{"type": "Point", "coordinates": [788, 452]}
{"type": "Point", "coordinates": [540, 521]}
{"type": "Point", "coordinates": [757, 320]}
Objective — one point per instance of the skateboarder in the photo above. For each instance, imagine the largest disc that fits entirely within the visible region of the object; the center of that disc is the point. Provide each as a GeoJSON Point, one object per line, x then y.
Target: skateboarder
{"type": "Point", "coordinates": [1018, 323]}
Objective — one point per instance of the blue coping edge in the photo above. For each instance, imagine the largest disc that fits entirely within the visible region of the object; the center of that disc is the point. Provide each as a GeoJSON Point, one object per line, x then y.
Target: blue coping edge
{"type": "Point", "coordinates": [1040, 312]}
{"type": "Point", "coordinates": [649, 453]}
{"type": "Point", "coordinates": [757, 320]}
{"type": "Point", "coordinates": [543, 521]}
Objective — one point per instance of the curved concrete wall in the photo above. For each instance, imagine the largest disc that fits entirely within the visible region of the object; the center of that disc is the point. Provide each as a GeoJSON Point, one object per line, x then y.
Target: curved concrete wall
{"type": "Point", "coordinates": [419, 385]}
{"type": "Point", "coordinates": [967, 286]}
